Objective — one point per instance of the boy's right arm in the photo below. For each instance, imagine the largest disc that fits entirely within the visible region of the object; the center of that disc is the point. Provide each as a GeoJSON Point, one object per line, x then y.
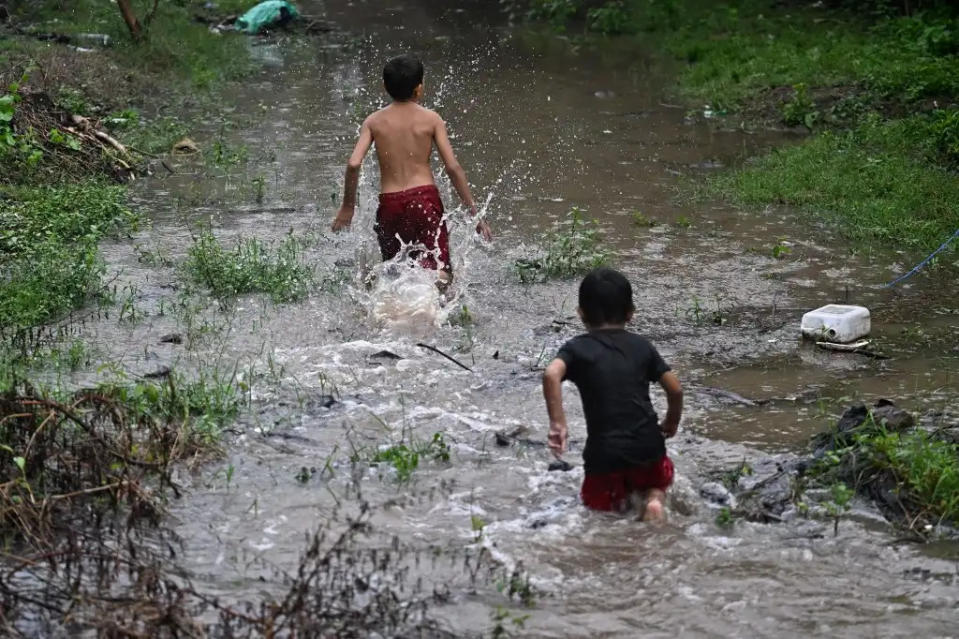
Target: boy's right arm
{"type": "Point", "coordinates": [674, 403]}
{"type": "Point", "coordinates": [553, 392]}
{"type": "Point", "coordinates": [345, 215]}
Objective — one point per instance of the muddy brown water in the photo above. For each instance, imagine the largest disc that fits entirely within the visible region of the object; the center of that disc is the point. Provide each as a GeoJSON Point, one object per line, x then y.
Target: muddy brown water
{"type": "Point", "coordinates": [541, 124]}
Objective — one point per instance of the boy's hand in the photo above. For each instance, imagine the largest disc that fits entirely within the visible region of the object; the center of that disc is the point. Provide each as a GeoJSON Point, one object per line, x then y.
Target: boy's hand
{"type": "Point", "coordinates": [484, 231]}
{"type": "Point", "coordinates": [557, 438]}
{"type": "Point", "coordinates": [669, 428]}
{"type": "Point", "coordinates": [343, 218]}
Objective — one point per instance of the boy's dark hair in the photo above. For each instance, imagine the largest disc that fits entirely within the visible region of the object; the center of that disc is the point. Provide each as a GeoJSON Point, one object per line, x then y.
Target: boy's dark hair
{"type": "Point", "coordinates": [605, 297]}
{"type": "Point", "coordinates": [402, 75]}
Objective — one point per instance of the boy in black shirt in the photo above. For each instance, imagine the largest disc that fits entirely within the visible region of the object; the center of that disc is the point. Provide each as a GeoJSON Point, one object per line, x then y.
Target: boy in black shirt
{"type": "Point", "coordinates": [625, 452]}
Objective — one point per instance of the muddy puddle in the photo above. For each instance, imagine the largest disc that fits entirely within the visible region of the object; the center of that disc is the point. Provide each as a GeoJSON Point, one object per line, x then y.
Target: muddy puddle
{"type": "Point", "coordinates": [541, 125]}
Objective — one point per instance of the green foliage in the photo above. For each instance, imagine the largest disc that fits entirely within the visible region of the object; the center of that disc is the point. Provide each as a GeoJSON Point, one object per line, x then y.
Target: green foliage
{"type": "Point", "coordinates": [874, 181]}
{"type": "Point", "coordinates": [640, 219]}
{"type": "Point", "coordinates": [840, 496]}
{"type": "Point", "coordinates": [556, 12]}
{"type": "Point", "coordinates": [781, 250]}
{"type": "Point", "coordinates": [405, 456]}
{"type": "Point", "coordinates": [49, 263]}
{"type": "Point", "coordinates": [800, 110]}
{"type": "Point", "coordinates": [610, 19]}
{"type": "Point", "coordinates": [73, 101]}
{"type": "Point", "coordinates": [725, 517]}
{"type": "Point", "coordinates": [18, 152]}
{"type": "Point", "coordinates": [250, 267]}
{"type": "Point", "coordinates": [926, 469]}
{"type": "Point", "coordinates": [923, 468]}
{"type": "Point", "coordinates": [736, 52]}
{"type": "Point", "coordinates": [205, 404]}
{"type": "Point", "coordinates": [944, 136]}
{"type": "Point", "coordinates": [156, 135]}
{"type": "Point", "coordinates": [573, 249]}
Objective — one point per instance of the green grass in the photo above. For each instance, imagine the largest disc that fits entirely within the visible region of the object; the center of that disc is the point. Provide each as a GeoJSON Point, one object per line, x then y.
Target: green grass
{"type": "Point", "coordinates": [173, 43]}
{"type": "Point", "coordinates": [250, 267]}
{"type": "Point", "coordinates": [924, 469]}
{"type": "Point", "coordinates": [49, 263]}
{"type": "Point", "coordinates": [574, 248]}
{"type": "Point", "coordinates": [405, 456]}
{"type": "Point", "coordinates": [866, 179]}
{"type": "Point", "coordinates": [734, 54]}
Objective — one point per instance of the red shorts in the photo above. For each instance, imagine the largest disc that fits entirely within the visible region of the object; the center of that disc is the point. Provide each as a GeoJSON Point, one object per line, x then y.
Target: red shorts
{"type": "Point", "coordinates": [414, 218]}
{"type": "Point", "coordinates": [610, 491]}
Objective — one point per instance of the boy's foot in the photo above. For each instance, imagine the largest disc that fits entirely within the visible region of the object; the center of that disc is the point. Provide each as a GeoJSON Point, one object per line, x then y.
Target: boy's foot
{"type": "Point", "coordinates": [443, 283]}
{"type": "Point", "coordinates": [655, 509]}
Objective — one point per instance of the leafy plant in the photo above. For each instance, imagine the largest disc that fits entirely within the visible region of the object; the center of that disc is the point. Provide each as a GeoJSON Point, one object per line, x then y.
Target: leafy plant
{"type": "Point", "coordinates": [21, 147]}
{"type": "Point", "coordinates": [801, 110]}
{"type": "Point", "coordinates": [725, 518]}
{"type": "Point", "coordinates": [610, 19]}
{"type": "Point", "coordinates": [574, 249]}
{"type": "Point", "coordinates": [556, 12]}
{"type": "Point", "coordinates": [250, 267]}
{"type": "Point", "coordinates": [64, 139]}
{"type": "Point", "coordinates": [640, 219]}
{"type": "Point", "coordinates": [683, 222]}
{"type": "Point", "coordinates": [841, 495]}
{"type": "Point", "coordinates": [405, 456]}
{"type": "Point", "coordinates": [781, 249]}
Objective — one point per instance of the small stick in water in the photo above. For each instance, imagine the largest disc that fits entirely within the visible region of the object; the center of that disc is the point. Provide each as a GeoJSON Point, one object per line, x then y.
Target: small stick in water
{"type": "Point", "coordinates": [450, 358]}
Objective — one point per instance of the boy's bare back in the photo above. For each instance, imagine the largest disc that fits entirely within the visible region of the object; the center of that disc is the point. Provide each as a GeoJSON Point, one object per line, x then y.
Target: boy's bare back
{"type": "Point", "coordinates": [403, 134]}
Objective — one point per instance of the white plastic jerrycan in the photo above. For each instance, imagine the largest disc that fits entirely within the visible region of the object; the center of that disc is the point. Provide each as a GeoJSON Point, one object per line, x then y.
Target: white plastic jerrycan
{"type": "Point", "coordinates": [836, 323]}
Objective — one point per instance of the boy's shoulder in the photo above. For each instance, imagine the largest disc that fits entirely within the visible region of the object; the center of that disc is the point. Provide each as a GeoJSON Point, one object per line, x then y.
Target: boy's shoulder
{"type": "Point", "coordinates": [421, 112]}
{"type": "Point", "coordinates": [598, 339]}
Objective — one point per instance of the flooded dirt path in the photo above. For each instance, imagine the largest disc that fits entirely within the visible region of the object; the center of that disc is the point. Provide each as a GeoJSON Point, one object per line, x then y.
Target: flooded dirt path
{"type": "Point", "coordinates": [541, 125]}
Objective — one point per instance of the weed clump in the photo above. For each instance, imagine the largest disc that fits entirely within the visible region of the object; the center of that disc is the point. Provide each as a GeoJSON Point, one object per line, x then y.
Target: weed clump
{"type": "Point", "coordinates": [49, 262]}
{"type": "Point", "coordinates": [65, 460]}
{"type": "Point", "coordinates": [573, 249]}
{"type": "Point", "coordinates": [912, 475]}
{"type": "Point", "coordinates": [405, 456]}
{"type": "Point", "coordinates": [250, 267]}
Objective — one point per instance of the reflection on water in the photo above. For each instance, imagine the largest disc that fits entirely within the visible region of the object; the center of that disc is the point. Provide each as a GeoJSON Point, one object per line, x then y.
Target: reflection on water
{"type": "Point", "coordinates": [541, 124]}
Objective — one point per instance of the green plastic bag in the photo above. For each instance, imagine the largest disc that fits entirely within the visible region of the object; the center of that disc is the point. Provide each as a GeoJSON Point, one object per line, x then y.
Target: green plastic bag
{"type": "Point", "coordinates": [266, 14]}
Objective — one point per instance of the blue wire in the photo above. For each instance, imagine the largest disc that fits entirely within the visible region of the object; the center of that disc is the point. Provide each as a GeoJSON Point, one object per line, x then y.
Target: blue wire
{"type": "Point", "coordinates": [924, 262]}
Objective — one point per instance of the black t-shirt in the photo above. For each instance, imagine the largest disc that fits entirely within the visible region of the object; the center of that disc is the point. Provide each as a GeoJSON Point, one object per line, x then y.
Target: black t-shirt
{"type": "Point", "coordinates": [612, 369]}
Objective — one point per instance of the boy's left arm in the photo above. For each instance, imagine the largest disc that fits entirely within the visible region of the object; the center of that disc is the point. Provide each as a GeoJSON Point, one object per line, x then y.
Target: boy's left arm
{"type": "Point", "coordinates": [553, 393]}
{"type": "Point", "coordinates": [458, 175]}
{"type": "Point", "coordinates": [345, 215]}
{"type": "Point", "coordinates": [674, 403]}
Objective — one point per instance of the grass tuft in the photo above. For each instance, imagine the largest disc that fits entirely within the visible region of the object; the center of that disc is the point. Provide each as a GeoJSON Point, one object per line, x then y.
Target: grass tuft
{"type": "Point", "coordinates": [250, 267]}
{"type": "Point", "coordinates": [575, 248]}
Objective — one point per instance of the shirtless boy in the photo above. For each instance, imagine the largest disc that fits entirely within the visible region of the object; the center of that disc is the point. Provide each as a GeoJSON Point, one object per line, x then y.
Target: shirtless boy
{"type": "Point", "coordinates": [410, 210]}
{"type": "Point", "coordinates": [625, 453]}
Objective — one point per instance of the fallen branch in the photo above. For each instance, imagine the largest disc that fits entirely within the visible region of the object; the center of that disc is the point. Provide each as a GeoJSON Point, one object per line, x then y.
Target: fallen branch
{"type": "Point", "coordinates": [450, 358]}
